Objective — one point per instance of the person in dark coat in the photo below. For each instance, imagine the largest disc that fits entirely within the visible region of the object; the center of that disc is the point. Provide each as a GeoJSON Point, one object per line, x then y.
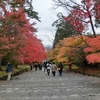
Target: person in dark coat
{"type": "Point", "coordinates": [40, 66]}
{"type": "Point", "coordinates": [31, 67]}
{"type": "Point", "coordinates": [9, 70]}
{"type": "Point", "coordinates": [45, 66]}
{"type": "Point", "coordinates": [60, 69]}
{"type": "Point", "coordinates": [35, 66]}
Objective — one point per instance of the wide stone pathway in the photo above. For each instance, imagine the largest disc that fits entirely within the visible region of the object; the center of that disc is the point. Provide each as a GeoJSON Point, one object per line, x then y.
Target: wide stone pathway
{"type": "Point", "coordinates": [36, 85]}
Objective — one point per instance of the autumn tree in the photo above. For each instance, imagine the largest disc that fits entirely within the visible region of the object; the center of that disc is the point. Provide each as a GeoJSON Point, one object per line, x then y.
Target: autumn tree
{"type": "Point", "coordinates": [81, 14]}
{"type": "Point", "coordinates": [26, 43]}
{"type": "Point", "coordinates": [93, 51]}
{"type": "Point", "coordinates": [33, 51]}
{"type": "Point", "coordinates": [17, 30]}
{"type": "Point", "coordinates": [69, 50]}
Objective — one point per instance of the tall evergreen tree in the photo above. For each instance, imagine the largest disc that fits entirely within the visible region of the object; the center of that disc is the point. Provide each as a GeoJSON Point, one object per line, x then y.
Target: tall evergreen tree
{"type": "Point", "coordinates": [64, 29]}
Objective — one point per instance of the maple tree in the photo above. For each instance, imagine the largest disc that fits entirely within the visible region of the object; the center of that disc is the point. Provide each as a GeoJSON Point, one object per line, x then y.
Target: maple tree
{"type": "Point", "coordinates": [82, 14]}
{"type": "Point", "coordinates": [25, 40]}
{"type": "Point", "coordinates": [68, 50]}
{"type": "Point", "coordinates": [93, 51]}
{"type": "Point", "coordinates": [18, 34]}
{"type": "Point", "coordinates": [34, 50]}
{"type": "Point", "coordinates": [75, 50]}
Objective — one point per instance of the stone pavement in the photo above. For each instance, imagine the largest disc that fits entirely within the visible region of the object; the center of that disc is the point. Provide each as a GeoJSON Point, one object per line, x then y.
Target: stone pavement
{"type": "Point", "coordinates": [36, 85]}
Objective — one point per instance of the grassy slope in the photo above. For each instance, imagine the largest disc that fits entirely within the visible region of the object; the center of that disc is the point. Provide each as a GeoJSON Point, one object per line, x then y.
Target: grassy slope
{"type": "Point", "coordinates": [15, 70]}
{"type": "Point", "coordinates": [87, 71]}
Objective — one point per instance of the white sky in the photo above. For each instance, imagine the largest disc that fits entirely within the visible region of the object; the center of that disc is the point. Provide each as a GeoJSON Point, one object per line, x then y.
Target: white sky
{"type": "Point", "coordinates": [47, 16]}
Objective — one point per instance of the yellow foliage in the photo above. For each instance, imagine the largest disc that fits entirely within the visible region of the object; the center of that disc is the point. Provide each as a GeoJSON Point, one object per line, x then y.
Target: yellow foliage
{"type": "Point", "coordinates": [66, 48]}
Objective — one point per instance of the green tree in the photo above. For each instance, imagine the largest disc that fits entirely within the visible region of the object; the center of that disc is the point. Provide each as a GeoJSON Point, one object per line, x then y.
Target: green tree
{"type": "Point", "coordinates": [29, 9]}
{"type": "Point", "coordinates": [64, 29]}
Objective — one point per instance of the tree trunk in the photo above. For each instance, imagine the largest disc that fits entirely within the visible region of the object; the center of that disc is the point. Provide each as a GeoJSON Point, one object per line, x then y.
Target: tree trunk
{"type": "Point", "coordinates": [91, 22]}
{"type": "Point", "coordinates": [0, 65]}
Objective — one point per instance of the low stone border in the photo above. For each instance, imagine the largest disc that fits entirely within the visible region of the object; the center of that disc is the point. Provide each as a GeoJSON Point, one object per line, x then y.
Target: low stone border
{"type": "Point", "coordinates": [85, 73]}
{"type": "Point", "coordinates": [15, 73]}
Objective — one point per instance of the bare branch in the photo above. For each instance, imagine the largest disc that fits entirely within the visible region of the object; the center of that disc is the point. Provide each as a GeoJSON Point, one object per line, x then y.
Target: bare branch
{"type": "Point", "coordinates": [49, 38]}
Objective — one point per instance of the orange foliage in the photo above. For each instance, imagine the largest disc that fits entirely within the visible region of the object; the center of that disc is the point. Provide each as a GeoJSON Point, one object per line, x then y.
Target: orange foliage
{"type": "Point", "coordinates": [67, 48]}
{"type": "Point", "coordinates": [93, 58]}
{"type": "Point", "coordinates": [93, 51]}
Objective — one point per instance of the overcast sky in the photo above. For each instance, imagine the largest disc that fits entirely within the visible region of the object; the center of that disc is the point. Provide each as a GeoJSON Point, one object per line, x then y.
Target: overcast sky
{"type": "Point", "coordinates": [47, 16]}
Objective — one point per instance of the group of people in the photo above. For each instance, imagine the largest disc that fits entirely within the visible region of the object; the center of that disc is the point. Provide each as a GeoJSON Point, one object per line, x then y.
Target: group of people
{"type": "Point", "coordinates": [52, 67]}
{"type": "Point", "coordinates": [36, 66]}
{"type": "Point", "coordinates": [47, 66]}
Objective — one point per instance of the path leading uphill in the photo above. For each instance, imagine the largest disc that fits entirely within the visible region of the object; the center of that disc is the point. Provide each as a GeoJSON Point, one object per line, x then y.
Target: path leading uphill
{"type": "Point", "coordinates": [36, 85]}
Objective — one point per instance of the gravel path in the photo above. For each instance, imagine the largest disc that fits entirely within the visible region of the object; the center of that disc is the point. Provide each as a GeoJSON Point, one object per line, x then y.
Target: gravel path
{"type": "Point", "coordinates": [37, 85]}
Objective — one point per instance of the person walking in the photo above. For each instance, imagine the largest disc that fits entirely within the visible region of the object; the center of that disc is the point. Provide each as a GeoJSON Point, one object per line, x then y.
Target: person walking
{"type": "Point", "coordinates": [39, 66]}
{"type": "Point", "coordinates": [35, 66]}
{"type": "Point", "coordinates": [31, 67]}
{"type": "Point", "coordinates": [48, 68]}
{"type": "Point", "coordinates": [45, 66]}
{"type": "Point", "coordinates": [70, 66]}
{"type": "Point", "coordinates": [9, 70]}
{"type": "Point", "coordinates": [60, 69]}
{"type": "Point", "coordinates": [53, 69]}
